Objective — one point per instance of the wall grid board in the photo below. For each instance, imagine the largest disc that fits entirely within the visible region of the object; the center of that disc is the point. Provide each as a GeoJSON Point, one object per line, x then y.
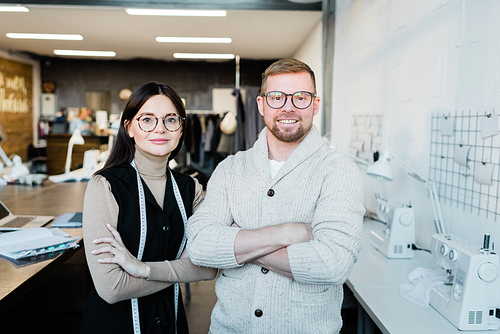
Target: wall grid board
{"type": "Point", "coordinates": [366, 135]}
{"type": "Point", "coordinates": [456, 183]}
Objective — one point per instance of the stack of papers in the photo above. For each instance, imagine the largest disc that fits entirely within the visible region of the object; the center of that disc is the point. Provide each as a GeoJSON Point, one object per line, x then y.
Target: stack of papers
{"type": "Point", "coordinates": [35, 241]}
{"type": "Point", "coordinates": [68, 220]}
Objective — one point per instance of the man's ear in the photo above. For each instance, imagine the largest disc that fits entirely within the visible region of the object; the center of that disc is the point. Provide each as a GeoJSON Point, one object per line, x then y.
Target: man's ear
{"type": "Point", "coordinates": [317, 101]}
{"type": "Point", "coordinates": [260, 104]}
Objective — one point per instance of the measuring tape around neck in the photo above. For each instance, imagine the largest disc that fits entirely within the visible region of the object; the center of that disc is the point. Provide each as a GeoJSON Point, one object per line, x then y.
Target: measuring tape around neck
{"type": "Point", "coordinates": [142, 243]}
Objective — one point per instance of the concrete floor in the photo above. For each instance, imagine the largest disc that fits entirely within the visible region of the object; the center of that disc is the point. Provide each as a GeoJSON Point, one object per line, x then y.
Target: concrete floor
{"type": "Point", "coordinates": [56, 304]}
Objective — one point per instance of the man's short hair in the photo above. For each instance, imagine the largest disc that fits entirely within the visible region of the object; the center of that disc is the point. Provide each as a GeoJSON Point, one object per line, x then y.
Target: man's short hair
{"type": "Point", "coordinates": [285, 66]}
{"type": "Point", "coordinates": [82, 110]}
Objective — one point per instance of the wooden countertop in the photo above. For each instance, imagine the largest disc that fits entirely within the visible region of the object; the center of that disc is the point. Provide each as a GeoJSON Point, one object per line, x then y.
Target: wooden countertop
{"type": "Point", "coordinates": [17, 277]}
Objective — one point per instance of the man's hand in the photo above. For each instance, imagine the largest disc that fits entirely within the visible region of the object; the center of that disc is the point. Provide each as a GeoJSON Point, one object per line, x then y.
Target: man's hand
{"type": "Point", "coordinates": [252, 244]}
{"type": "Point", "coordinates": [295, 233]}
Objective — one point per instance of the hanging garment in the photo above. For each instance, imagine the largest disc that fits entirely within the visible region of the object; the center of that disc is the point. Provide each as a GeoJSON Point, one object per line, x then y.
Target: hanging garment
{"type": "Point", "coordinates": [254, 122]}
{"type": "Point", "coordinates": [239, 136]}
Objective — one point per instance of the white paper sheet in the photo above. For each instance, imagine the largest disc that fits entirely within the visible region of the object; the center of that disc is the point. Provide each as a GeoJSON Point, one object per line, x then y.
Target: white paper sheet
{"type": "Point", "coordinates": [489, 125]}
{"type": "Point", "coordinates": [461, 155]}
{"type": "Point", "coordinates": [34, 241]}
{"type": "Point", "coordinates": [447, 126]}
{"type": "Point", "coordinates": [483, 173]}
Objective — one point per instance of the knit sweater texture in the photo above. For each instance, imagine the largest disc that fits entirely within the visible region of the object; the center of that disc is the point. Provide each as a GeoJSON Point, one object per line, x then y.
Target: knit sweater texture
{"type": "Point", "coordinates": [317, 186]}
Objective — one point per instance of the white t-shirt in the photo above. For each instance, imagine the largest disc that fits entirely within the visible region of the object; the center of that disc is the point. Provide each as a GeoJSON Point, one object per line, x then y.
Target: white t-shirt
{"type": "Point", "coordinates": [275, 166]}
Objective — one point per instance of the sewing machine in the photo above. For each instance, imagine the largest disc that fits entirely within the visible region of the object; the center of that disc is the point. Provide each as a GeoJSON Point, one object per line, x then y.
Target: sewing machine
{"type": "Point", "coordinates": [396, 239]}
{"type": "Point", "coordinates": [470, 298]}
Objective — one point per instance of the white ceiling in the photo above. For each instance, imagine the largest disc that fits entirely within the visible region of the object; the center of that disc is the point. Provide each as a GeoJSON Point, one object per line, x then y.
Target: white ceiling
{"type": "Point", "coordinates": [256, 34]}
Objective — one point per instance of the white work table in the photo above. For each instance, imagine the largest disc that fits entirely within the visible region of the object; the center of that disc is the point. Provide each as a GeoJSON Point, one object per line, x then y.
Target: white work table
{"type": "Point", "coordinates": [375, 282]}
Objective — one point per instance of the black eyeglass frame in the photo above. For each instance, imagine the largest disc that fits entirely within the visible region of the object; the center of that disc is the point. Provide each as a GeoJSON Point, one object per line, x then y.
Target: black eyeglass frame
{"type": "Point", "coordinates": [265, 95]}
{"type": "Point", "coordinates": [182, 119]}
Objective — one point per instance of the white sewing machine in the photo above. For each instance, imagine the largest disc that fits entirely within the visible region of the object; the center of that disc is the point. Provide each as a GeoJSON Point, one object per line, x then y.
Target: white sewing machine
{"type": "Point", "coordinates": [396, 239]}
{"type": "Point", "coordinates": [470, 299]}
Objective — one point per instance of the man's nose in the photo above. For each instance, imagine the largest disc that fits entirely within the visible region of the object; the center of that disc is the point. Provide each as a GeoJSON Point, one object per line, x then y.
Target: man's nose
{"type": "Point", "coordinates": [288, 104]}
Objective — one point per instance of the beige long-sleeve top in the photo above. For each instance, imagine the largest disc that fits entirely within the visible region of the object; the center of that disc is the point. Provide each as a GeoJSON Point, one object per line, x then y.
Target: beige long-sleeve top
{"type": "Point", "coordinates": [112, 283]}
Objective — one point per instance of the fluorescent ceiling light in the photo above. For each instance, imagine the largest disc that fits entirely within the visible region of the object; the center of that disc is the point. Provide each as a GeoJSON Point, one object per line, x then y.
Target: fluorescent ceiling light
{"type": "Point", "coordinates": [175, 12]}
{"type": "Point", "coordinates": [83, 53]}
{"type": "Point", "coordinates": [18, 9]}
{"type": "Point", "coordinates": [62, 37]}
{"type": "Point", "coordinates": [204, 55]}
{"type": "Point", "coordinates": [193, 40]}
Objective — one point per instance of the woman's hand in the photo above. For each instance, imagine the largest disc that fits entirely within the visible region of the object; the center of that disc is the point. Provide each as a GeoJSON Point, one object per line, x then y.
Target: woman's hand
{"type": "Point", "coordinates": [120, 254]}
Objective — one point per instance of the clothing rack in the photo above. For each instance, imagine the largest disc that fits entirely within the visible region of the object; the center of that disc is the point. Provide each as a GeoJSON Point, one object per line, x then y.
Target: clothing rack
{"type": "Point", "coordinates": [204, 112]}
{"type": "Point", "coordinates": [220, 113]}
{"type": "Point", "coordinates": [237, 79]}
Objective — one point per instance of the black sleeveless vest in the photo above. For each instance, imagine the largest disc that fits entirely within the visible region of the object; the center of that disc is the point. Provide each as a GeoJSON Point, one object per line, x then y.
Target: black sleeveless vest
{"type": "Point", "coordinates": [165, 230]}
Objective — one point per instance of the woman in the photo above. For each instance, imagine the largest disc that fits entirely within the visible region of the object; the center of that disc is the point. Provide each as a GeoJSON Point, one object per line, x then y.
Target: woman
{"type": "Point", "coordinates": [136, 203]}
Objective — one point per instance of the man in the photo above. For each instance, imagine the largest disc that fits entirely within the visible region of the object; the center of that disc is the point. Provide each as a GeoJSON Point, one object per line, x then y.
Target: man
{"type": "Point", "coordinates": [282, 220]}
{"type": "Point", "coordinates": [80, 122]}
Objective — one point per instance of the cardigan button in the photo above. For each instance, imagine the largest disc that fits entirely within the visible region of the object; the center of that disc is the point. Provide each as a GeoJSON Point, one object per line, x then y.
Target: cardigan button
{"type": "Point", "coordinates": [270, 193]}
{"type": "Point", "coordinates": [264, 270]}
{"type": "Point", "coordinates": [157, 320]}
{"type": "Point", "coordinates": [166, 228]}
{"type": "Point", "coordinates": [258, 313]}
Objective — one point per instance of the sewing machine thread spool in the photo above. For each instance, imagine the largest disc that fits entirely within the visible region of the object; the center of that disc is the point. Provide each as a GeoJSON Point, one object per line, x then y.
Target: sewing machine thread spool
{"type": "Point", "coordinates": [486, 242]}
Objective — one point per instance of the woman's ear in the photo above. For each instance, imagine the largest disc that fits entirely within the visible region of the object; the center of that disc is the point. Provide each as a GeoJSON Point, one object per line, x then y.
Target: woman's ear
{"type": "Point", "coordinates": [126, 125]}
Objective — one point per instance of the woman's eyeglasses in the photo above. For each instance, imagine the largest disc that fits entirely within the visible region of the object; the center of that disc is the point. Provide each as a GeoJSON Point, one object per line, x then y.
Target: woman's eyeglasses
{"type": "Point", "coordinates": [148, 123]}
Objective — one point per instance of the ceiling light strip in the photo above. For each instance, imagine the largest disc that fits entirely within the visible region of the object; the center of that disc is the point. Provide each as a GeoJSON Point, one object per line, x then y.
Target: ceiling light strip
{"type": "Point", "coordinates": [83, 53]}
{"type": "Point", "coordinates": [176, 12]}
{"type": "Point", "coordinates": [15, 9]}
{"type": "Point", "coordinates": [203, 55]}
{"type": "Point", "coordinates": [214, 40]}
{"type": "Point", "coordinates": [61, 37]}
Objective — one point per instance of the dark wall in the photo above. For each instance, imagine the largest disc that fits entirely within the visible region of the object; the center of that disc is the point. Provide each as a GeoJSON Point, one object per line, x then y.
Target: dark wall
{"type": "Point", "coordinates": [192, 80]}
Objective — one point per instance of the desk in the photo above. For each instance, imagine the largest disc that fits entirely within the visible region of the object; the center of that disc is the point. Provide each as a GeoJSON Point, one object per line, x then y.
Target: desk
{"type": "Point", "coordinates": [48, 199]}
{"type": "Point", "coordinates": [375, 281]}
{"type": "Point", "coordinates": [57, 149]}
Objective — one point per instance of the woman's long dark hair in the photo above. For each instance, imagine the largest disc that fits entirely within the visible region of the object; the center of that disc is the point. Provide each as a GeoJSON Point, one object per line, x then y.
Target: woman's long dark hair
{"type": "Point", "coordinates": [123, 149]}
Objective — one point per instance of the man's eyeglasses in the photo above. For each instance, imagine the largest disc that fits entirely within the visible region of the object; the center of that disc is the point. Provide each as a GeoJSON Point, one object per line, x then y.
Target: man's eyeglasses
{"type": "Point", "coordinates": [301, 100]}
{"type": "Point", "coordinates": [148, 123]}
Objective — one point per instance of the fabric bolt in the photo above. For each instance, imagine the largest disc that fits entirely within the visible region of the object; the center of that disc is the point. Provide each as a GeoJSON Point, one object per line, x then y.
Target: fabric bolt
{"type": "Point", "coordinates": [315, 185]}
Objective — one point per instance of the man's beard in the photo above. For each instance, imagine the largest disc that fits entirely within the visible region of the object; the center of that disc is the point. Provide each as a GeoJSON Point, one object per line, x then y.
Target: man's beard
{"type": "Point", "coordinates": [289, 136]}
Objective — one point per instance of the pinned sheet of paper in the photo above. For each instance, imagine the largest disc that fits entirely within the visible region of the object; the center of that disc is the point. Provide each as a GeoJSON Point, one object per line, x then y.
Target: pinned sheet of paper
{"type": "Point", "coordinates": [461, 155]}
{"type": "Point", "coordinates": [489, 125]}
{"type": "Point", "coordinates": [375, 126]}
{"type": "Point", "coordinates": [359, 146]}
{"type": "Point", "coordinates": [446, 126]}
{"type": "Point", "coordinates": [368, 122]}
{"type": "Point", "coordinates": [483, 173]}
{"type": "Point", "coordinates": [368, 143]}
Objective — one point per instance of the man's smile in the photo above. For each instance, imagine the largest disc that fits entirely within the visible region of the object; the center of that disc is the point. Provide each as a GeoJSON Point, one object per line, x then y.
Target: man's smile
{"type": "Point", "coordinates": [287, 121]}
